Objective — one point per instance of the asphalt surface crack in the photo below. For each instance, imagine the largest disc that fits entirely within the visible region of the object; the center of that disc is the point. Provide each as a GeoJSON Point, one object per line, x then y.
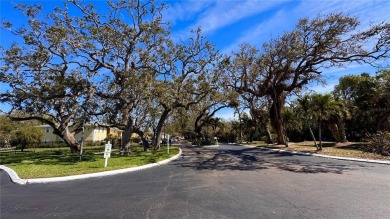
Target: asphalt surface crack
{"type": "Point", "coordinates": [160, 198]}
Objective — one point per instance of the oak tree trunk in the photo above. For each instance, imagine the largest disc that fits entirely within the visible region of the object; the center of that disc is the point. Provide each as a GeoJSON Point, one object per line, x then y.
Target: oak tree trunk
{"type": "Point", "coordinates": [69, 139]}
{"type": "Point", "coordinates": [268, 134]}
{"type": "Point", "coordinates": [198, 132]}
{"type": "Point", "coordinates": [145, 142]}
{"type": "Point", "coordinates": [157, 138]}
{"type": "Point", "coordinates": [126, 138]}
{"type": "Point", "coordinates": [276, 117]}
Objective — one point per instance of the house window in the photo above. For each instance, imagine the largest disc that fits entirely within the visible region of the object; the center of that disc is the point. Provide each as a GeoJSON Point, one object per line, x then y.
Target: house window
{"type": "Point", "coordinates": [47, 130]}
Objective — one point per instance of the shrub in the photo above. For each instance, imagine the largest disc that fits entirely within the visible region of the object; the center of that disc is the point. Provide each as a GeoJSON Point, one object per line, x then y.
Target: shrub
{"type": "Point", "coordinates": [58, 145]}
{"type": "Point", "coordinates": [91, 143]}
{"type": "Point", "coordinates": [206, 141]}
{"type": "Point", "coordinates": [296, 135]}
{"type": "Point", "coordinates": [136, 139]}
{"type": "Point", "coordinates": [265, 139]}
{"type": "Point", "coordinates": [379, 143]}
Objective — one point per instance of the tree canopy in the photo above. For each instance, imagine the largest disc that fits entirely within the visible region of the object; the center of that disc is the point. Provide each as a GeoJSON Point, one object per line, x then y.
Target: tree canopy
{"type": "Point", "coordinates": [291, 61]}
{"type": "Point", "coordinates": [124, 69]}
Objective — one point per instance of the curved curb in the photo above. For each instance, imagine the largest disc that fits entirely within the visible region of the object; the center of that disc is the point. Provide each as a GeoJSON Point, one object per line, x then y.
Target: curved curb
{"type": "Point", "coordinates": [16, 179]}
{"type": "Point", "coordinates": [13, 175]}
{"type": "Point", "coordinates": [325, 156]}
{"type": "Point", "coordinates": [211, 146]}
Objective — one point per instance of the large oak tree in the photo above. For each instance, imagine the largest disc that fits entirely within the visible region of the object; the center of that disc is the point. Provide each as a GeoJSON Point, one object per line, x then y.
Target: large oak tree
{"type": "Point", "coordinates": [298, 57]}
{"type": "Point", "coordinates": [122, 47]}
{"type": "Point", "coordinates": [188, 76]}
{"type": "Point", "coordinates": [43, 82]}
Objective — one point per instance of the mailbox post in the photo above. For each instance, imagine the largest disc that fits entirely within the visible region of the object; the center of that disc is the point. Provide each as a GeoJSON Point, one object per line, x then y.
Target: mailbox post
{"type": "Point", "coordinates": [168, 145]}
{"type": "Point", "coordinates": [107, 152]}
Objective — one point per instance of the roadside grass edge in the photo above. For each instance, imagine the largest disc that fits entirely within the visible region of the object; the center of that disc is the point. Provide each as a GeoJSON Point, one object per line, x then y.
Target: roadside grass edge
{"type": "Point", "coordinates": [16, 179]}
{"type": "Point", "coordinates": [322, 155]}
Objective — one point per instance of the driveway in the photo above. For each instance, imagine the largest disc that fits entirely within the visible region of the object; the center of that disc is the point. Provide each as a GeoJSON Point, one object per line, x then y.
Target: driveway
{"type": "Point", "coordinates": [214, 182]}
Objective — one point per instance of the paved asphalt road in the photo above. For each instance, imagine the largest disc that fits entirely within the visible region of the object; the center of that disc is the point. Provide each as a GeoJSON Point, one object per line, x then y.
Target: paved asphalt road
{"type": "Point", "coordinates": [224, 182]}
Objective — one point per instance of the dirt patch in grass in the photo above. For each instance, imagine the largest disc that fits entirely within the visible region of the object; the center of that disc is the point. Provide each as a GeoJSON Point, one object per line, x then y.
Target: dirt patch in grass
{"type": "Point", "coordinates": [347, 149]}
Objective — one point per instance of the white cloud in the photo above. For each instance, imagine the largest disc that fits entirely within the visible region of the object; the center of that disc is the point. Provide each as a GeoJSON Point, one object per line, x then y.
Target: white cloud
{"type": "Point", "coordinates": [368, 12]}
{"type": "Point", "coordinates": [223, 13]}
{"type": "Point", "coordinates": [261, 33]}
{"type": "Point", "coordinates": [352, 68]}
{"type": "Point", "coordinates": [322, 88]}
{"type": "Point", "coordinates": [185, 10]}
{"type": "Point", "coordinates": [228, 12]}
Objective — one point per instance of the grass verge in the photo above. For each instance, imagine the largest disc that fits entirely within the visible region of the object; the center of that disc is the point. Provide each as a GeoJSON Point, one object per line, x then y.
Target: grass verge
{"type": "Point", "coordinates": [348, 149]}
{"type": "Point", "coordinates": [53, 163]}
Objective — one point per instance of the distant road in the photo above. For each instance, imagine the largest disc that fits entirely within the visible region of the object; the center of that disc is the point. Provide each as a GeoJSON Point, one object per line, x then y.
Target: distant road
{"type": "Point", "coordinates": [214, 182]}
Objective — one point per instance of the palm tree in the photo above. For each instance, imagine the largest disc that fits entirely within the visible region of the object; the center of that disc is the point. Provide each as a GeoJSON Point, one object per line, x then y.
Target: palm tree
{"type": "Point", "coordinates": [324, 106]}
{"type": "Point", "coordinates": [306, 108]}
{"type": "Point", "coordinates": [336, 121]}
{"type": "Point", "coordinates": [215, 123]}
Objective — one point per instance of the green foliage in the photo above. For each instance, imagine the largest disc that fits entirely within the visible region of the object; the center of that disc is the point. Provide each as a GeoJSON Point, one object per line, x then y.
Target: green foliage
{"type": "Point", "coordinates": [19, 134]}
{"type": "Point", "coordinates": [136, 139]}
{"type": "Point", "coordinates": [288, 63]}
{"type": "Point", "coordinates": [367, 98]}
{"type": "Point", "coordinates": [6, 129]}
{"type": "Point", "coordinates": [115, 140]}
{"type": "Point", "coordinates": [42, 85]}
{"type": "Point", "coordinates": [128, 71]}
{"type": "Point", "coordinates": [52, 145]}
{"type": "Point", "coordinates": [249, 127]}
{"type": "Point", "coordinates": [379, 143]}
{"type": "Point", "coordinates": [205, 141]}
{"type": "Point", "coordinates": [24, 136]}
{"type": "Point", "coordinates": [265, 139]}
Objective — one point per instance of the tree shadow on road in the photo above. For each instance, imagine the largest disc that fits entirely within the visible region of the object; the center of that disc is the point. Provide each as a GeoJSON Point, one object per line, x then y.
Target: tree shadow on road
{"type": "Point", "coordinates": [258, 159]}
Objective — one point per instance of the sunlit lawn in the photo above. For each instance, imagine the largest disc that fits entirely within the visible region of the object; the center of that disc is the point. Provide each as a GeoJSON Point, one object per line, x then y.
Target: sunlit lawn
{"type": "Point", "coordinates": [51, 163]}
{"type": "Point", "coordinates": [350, 149]}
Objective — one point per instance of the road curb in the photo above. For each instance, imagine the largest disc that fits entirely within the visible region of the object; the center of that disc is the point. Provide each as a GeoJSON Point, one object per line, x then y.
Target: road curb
{"type": "Point", "coordinates": [16, 179]}
{"type": "Point", "coordinates": [13, 175]}
{"type": "Point", "coordinates": [325, 156]}
{"type": "Point", "coordinates": [211, 146]}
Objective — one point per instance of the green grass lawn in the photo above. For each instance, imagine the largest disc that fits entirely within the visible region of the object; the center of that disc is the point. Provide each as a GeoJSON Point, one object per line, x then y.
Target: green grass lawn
{"type": "Point", "coordinates": [52, 163]}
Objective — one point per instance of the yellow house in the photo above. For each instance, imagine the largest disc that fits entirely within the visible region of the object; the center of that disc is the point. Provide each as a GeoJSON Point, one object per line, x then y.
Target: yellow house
{"type": "Point", "coordinates": [91, 133]}
{"type": "Point", "coordinates": [114, 132]}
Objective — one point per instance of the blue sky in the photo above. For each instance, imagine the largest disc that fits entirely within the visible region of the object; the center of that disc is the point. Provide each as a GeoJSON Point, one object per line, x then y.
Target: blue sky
{"type": "Point", "coordinates": [228, 23]}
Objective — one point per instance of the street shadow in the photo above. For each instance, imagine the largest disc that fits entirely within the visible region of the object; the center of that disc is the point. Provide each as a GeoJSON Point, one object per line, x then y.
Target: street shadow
{"type": "Point", "coordinates": [256, 159]}
{"type": "Point", "coordinates": [201, 159]}
{"type": "Point", "coordinates": [351, 147]}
